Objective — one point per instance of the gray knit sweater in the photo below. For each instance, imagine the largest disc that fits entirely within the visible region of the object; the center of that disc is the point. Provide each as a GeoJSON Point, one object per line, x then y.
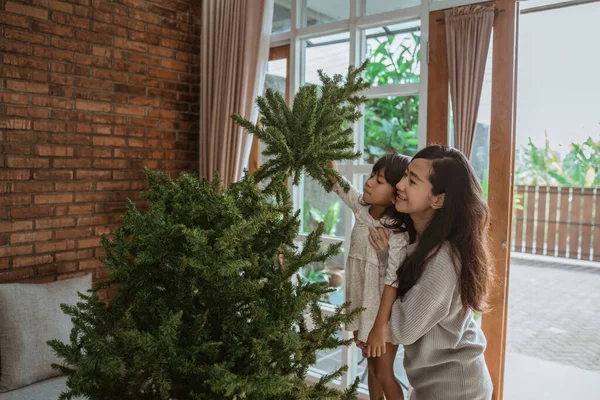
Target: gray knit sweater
{"type": "Point", "coordinates": [443, 347]}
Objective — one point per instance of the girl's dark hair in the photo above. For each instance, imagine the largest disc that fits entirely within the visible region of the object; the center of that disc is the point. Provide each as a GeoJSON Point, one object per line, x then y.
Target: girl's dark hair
{"type": "Point", "coordinates": [394, 166]}
{"type": "Point", "coordinates": [462, 222]}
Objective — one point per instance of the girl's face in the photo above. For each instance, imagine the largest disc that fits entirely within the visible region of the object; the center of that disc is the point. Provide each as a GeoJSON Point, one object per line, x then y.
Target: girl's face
{"type": "Point", "coordinates": [415, 195]}
{"type": "Point", "coordinates": [377, 191]}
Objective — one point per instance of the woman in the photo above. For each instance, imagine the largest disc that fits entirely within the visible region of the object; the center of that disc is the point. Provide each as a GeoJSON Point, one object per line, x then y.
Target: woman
{"type": "Point", "coordinates": [444, 277]}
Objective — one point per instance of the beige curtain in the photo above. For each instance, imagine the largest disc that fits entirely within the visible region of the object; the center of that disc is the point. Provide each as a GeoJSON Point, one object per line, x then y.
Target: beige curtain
{"type": "Point", "coordinates": [234, 54]}
{"type": "Point", "coordinates": [468, 33]}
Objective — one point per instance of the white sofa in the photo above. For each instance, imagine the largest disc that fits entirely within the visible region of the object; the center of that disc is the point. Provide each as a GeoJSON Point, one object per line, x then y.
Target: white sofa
{"type": "Point", "coordinates": [30, 315]}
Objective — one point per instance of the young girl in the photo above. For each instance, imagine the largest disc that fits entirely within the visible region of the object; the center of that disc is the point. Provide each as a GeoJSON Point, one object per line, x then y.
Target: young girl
{"type": "Point", "coordinates": [364, 275]}
{"type": "Point", "coordinates": [444, 277]}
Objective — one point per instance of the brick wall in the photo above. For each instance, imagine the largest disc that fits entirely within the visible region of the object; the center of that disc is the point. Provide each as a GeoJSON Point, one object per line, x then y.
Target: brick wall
{"type": "Point", "coordinates": [91, 92]}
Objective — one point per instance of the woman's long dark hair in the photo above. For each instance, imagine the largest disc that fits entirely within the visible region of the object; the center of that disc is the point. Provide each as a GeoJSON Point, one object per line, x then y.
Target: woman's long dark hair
{"type": "Point", "coordinates": [394, 166]}
{"type": "Point", "coordinates": [462, 222]}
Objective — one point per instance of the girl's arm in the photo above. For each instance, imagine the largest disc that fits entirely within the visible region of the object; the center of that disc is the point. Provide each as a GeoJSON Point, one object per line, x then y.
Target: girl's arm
{"type": "Point", "coordinates": [352, 198]}
{"type": "Point", "coordinates": [376, 341]}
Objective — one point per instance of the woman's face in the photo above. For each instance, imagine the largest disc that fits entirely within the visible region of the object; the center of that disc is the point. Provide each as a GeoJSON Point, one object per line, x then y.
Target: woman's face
{"type": "Point", "coordinates": [415, 190]}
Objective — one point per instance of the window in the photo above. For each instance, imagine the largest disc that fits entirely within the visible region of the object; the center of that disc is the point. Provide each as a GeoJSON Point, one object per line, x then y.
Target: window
{"type": "Point", "coordinates": [330, 36]}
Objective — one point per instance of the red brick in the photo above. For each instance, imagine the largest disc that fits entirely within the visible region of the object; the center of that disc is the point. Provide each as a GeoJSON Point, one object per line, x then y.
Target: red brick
{"type": "Point", "coordinates": [89, 264]}
{"type": "Point", "coordinates": [71, 139]}
{"type": "Point", "coordinates": [73, 45]}
{"type": "Point", "coordinates": [165, 12]}
{"type": "Point", "coordinates": [55, 246]}
{"type": "Point", "coordinates": [144, 81]}
{"type": "Point", "coordinates": [62, 269]}
{"type": "Point", "coordinates": [129, 23]}
{"type": "Point", "coordinates": [143, 37]}
{"type": "Point", "coordinates": [54, 54]}
{"type": "Point", "coordinates": [172, 64]}
{"type": "Point", "coordinates": [93, 37]}
{"type": "Point", "coordinates": [71, 163]}
{"type": "Point", "coordinates": [108, 141]}
{"type": "Point", "coordinates": [16, 226]}
{"type": "Point", "coordinates": [40, 76]}
{"type": "Point", "coordinates": [92, 197]}
{"type": "Point", "coordinates": [103, 230]}
{"type": "Point", "coordinates": [30, 237]}
{"type": "Point", "coordinates": [74, 210]}
{"type": "Point", "coordinates": [143, 59]}
{"type": "Point", "coordinates": [52, 175]}
{"type": "Point", "coordinates": [19, 86]}
{"type": "Point", "coordinates": [53, 198]}
{"type": "Point", "coordinates": [130, 110]}
{"type": "Point", "coordinates": [110, 164]}
{"type": "Point", "coordinates": [32, 187]}
{"type": "Point", "coordinates": [16, 274]}
{"type": "Point", "coordinates": [100, 51]}
{"type": "Point", "coordinates": [22, 36]}
{"type": "Point", "coordinates": [68, 115]}
{"type": "Point", "coordinates": [109, 29]}
{"type": "Point", "coordinates": [16, 149]}
{"type": "Point", "coordinates": [163, 74]}
{"type": "Point", "coordinates": [49, 126]}
{"type": "Point", "coordinates": [130, 67]}
{"type": "Point", "coordinates": [74, 186]}
{"type": "Point", "coordinates": [52, 102]}
{"type": "Point", "coordinates": [15, 250]}
{"type": "Point", "coordinates": [70, 69]}
{"type": "Point", "coordinates": [161, 51]}
{"type": "Point", "coordinates": [145, 122]}
{"type": "Point", "coordinates": [144, 101]}
{"type": "Point", "coordinates": [90, 221]}
{"type": "Point", "coordinates": [70, 20]}
{"type": "Point", "coordinates": [131, 45]}
{"type": "Point", "coordinates": [92, 106]}
{"type": "Point", "coordinates": [28, 112]}
{"type": "Point", "coordinates": [14, 98]}
{"type": "Point", "coordinates": [109, 119]}
{"type": "Point", "coordinates": [18, 8]}
{"type": "Point", "coordinates": [86, 243]}
{"type": "Point", "coordinates": [31, 212]}
{"type": "Point", "coordinates": [27, 163]}
{"type": "Point", "coordinates": [14, 123]}
{"type": "Point", "coordinates": [102, 16]}
{"type": "Point", "coordinates": [94, 61]}
{"type": "Point", "coordinates": [52, 29]}
{"type": "Point", "coordinates": [14, 20]}
{"type": "Point", "coordinates": [29, 261]}
{"type": "Point", "coordinates": [143, 16]}
{"type": "Point", "coordinates": [109, 7]}
{"type": "Point", "coordinates": [73, 233]}
{"type": "Point", "coordinates": [53, 151]}
{"type": "Point", "coordinates": [111, 186]}
{"type": "Point", "coordinates": [60, 6]}
{"type": "Point", "coordinates": [54, 223]}
{"type": "Point", "coordinates": [14, 200]}
{"type": "Point", "coordinates": [74, 255]}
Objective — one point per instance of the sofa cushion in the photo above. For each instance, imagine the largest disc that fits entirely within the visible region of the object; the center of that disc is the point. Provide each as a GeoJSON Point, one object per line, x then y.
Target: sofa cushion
{"type": "Point", "coordinates": [30, 315]}
{"type": "Point", "coordinates": [49, 389]}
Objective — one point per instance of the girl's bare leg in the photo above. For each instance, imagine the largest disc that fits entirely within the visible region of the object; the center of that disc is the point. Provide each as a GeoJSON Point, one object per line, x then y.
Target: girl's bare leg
{"type": "Point", "coordinates": [384, 372]}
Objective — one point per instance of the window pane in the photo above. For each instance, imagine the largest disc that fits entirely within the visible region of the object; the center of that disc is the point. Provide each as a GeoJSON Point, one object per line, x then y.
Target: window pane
{"type": "Point", "coordinates": [330, 360]}
{"type": "Point", "coordinates": [381, 6]}
{"type": "Point", "coordinates": [391, 125]}
{"type": "Point", "coordinates": [394, 53]}
{"type": "Point", "coordinates": [320, 206]}
{"type": "Point", "coordinates": [281, 17]}
{"type": "Point", "coordinates": [318, 11]}
{"type": "Point", "coordinates": [329, 53]}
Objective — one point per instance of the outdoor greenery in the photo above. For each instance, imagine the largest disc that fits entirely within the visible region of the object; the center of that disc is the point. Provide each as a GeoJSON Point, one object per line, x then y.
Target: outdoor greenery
{"type": "Point", "coordinates": [391, 123]}
{"type": "Point", "coordinates": [543, 166]}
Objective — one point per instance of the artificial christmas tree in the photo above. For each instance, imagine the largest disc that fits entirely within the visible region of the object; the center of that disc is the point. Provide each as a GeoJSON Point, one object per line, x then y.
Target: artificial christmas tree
{"type": "Point", "coordinates": [204, 308]}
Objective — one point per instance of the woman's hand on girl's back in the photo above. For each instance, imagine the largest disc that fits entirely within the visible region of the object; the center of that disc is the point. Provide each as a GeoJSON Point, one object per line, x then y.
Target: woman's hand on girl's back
{"type": "Point", "coordinates": [379, 238]}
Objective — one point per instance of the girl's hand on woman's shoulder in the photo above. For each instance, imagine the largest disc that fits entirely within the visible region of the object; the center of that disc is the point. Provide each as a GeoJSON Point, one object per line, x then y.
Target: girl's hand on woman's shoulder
{"type": "Point", "coordinates": [379, 238]}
